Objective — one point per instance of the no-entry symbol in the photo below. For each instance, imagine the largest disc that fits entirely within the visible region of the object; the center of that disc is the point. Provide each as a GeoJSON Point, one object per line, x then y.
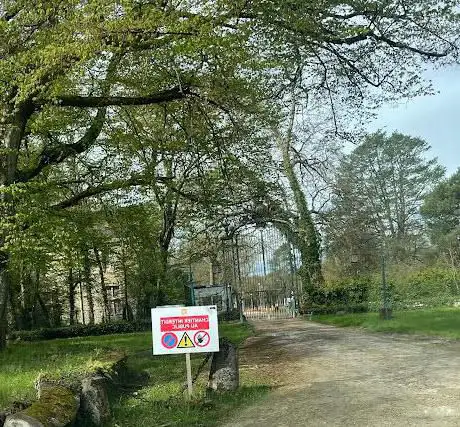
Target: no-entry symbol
{"type": "Point", "coordinates": [201, 339]}
{"type": "Point", "coordinates": [169, 340]}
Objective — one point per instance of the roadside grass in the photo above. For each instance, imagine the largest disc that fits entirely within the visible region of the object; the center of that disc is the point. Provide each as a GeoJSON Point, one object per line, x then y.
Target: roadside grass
{"type": "Point", "coordinates": [443, 322]}
{"type": "Point", "coordinates": [163, 402]}
{"type": "Point", "coordinates": [21, 363]}
{"type": "Point", "coordinates": [160, 402]}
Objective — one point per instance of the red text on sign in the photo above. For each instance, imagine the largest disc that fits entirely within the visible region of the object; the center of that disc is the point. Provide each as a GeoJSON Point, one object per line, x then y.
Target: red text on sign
{"type": "Point", "coordinates": [183, 323]}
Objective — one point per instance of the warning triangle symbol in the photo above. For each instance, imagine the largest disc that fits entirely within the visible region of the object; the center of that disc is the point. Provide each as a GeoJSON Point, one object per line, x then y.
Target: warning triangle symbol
{"type": "Point", "coordinates": [185, 342]}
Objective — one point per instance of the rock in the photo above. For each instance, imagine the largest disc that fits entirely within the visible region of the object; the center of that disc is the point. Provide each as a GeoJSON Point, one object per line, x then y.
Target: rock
{"type": "Point", "coordinates": [224, 373]}
{"type": "Point", "coordinates": [22, 420]}
{"type": "Point", "coordinates": [57, 406]}
{"type": "Point", "coordinates": [15, 407]}
{"type": "Point", "coordinates": [94, 400]}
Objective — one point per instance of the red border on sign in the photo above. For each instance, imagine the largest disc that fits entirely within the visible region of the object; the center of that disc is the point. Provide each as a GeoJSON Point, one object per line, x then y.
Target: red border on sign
{"type": "Point", "coordinates": [200, 343]}
{"type": "Point", "coordinates": [169, 346]}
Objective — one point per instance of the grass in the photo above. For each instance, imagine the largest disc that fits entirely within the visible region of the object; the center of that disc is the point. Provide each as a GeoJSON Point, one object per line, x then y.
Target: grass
{"type": "Point", "coordinates": [443, 322]}
{"type": "Point", "coordinates": [160, 402]}
{"type": "Point", "coordinates": [21, 363]}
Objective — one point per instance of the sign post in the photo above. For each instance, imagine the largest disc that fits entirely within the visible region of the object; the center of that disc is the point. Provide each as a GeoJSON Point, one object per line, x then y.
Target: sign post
{"type": "Point", "coordinates": [185, 330]}
{"type": "Point", "coordinates": [188, 365]}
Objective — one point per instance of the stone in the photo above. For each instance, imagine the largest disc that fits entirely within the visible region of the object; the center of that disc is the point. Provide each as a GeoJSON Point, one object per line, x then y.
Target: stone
{"type": "Point", "coordinates": [57, 406]}
{"type": "Point", "coordinates": [224, 373]}
{"type": "Point", "coordinates": [95, 404]}
{"type": "Point", "coordinates": [15, 407]}
{"type": "Point", "coordinates": [22, 420]}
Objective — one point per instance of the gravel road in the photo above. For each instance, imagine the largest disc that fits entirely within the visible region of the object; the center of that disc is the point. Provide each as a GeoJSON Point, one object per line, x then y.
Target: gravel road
{"type": "Point", "coordinates": [347, 377]}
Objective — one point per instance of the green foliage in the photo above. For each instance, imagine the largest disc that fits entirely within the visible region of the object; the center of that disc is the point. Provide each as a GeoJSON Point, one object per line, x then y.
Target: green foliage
{"type": "Point", "coordinates": [409, 287]}
{"type": "Point", "coordinates": [80, 331]}
{"type": "Point", "coordinates": [427, 287]}
{"type": "Point", "coordinates": [375, 206]}
{"type": "Point", "coordinates": [441, 212]}
{"type": "Point", "coordinates": [440, 207]}
{"type": "Point", "coordinates": [106, 105]}
{"type": "Point", "coordinates": [348, 296]}
{"type": "Point", "coordinates": [227, 316]}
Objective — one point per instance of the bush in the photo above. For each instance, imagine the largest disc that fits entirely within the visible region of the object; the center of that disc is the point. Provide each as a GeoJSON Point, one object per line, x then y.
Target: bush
{"type": "Point", "coordinates": [334, 308]}
{"type": "Point", "coordinates": [229, 315]}
{"type": "Point", "coordinates": [80, 331]}
{"type": "Point", "coordinates": [347, 296]}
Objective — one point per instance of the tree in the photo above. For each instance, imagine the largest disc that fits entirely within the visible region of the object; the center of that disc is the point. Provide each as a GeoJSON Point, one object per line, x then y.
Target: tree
{"type": "Point", "coordinates": [441, 213]}
{"type": "Point", "coordinates": [70, 66]}
{"type": "Point", "coordinates": [304, 233]}
{"type": "Point", "coordinates": [378, 192]}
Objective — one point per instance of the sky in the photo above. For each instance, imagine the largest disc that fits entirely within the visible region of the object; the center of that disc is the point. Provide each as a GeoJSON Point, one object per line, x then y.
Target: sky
{"type": "Point", "coordinates": [435, 118]}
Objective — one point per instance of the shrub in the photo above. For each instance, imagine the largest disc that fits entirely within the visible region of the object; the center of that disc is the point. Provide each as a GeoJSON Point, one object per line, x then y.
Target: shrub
{"type": "Point", "coordinates": [80, 331]}
{"type": "Point", "coordinates": [334, 308]}
{"type": "Point", "coordinates": [349, 296]}
{"type": "Point", "coordinates": [229, 315]}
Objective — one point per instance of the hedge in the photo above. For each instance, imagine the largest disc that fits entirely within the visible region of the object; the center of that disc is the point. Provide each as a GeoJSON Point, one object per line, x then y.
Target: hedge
{"type": "Point", "coordinates": [80, 331]}
{"type": "Point", "coordinates": [97, 329]}
{"type": "Point", "coordinates": [334, 308]}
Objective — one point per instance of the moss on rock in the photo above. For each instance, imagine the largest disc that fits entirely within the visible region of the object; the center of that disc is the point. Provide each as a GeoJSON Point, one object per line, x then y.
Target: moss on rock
{"type": "Point", "coordinates": [57, 406]}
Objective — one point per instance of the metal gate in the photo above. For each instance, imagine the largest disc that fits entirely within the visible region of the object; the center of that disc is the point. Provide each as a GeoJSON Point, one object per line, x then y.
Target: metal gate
{"type": "Point", "coordinates": [273, 304]}
{"type": "Point", "coordinates": [262, 267]}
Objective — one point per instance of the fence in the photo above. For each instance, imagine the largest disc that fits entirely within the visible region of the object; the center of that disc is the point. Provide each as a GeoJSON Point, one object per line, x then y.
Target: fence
{"type": "Point", "coordinates": [261, 266]}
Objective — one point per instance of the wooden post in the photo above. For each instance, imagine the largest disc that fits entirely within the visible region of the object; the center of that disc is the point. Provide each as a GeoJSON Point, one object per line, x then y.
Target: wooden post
{"type": "Point", "coordinates": [188, 365]}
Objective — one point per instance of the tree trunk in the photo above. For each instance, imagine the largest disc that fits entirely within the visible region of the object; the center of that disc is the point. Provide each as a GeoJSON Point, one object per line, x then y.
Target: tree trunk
{"type": "Point", "coordinates": [127, 311]}
{"type": "Point", "coordinates": [82, 305]}
{"type": "Point", "coordinates": [4, 287]}
{"type": "Point", "coordinates": [105, 298]}
{"type": "Point", "coordinates": [15, 117]}
{"type": "Point", "coordinates": [44, 309]}
{"type": "Point", "coordinates": [308, 238]}
{"type": "Point", "coordinates": [71, 295]}
{"type": "Point", "coordinates": [88, 285]}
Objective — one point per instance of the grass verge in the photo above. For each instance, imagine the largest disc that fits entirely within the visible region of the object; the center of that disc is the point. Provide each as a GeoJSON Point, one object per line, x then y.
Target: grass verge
{"type": "Point", "coordinates": [162, 402]}
{"type": "Point", "coordinates": [159, 403]}
{"type": "Point", "coordinates": [443, 322]}
{"type": "Point", "coordinates": [21, 363]}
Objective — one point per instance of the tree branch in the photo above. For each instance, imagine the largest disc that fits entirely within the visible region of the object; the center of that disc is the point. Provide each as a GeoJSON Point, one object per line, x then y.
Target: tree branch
{"type": "Point", "coordinates": [175, 93]}
{"type": "Point", "coordinates": [133, 181]}
{"type": "Point", "coordinates": [55, 154]}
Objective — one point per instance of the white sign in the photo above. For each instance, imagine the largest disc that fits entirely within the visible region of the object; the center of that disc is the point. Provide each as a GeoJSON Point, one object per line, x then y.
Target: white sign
{"type": "Point", "coordinates": [178, 330]}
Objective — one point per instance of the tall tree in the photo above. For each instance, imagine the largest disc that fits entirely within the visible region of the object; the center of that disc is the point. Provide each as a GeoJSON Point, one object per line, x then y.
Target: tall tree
{"type": "Point", "coordinates": [67, 66]}
{"type": "Point", "coordinates": [378, 192]}
{"type": "Point", "coordinates": [441, 212]}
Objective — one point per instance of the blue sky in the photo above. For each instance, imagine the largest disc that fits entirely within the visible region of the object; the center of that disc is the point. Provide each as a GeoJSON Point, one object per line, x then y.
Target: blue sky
{"type": "Point", "coordinates": [434, 118]}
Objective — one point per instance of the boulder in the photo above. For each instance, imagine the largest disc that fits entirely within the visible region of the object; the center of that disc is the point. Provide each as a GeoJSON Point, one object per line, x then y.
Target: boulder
{"type": "Point", "coordinates": [15, 407]}
{"type": "Point", "coordinates": [22, 420]}
{"type": "Point", "coordinates": [95, 404]}
{"type": "Point", "coordinates": [57, 406]}
{"type": "Point", "coordinates": [224, 373]}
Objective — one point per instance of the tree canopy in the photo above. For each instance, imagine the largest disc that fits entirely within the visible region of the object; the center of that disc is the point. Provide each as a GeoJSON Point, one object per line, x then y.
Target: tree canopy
{"type": "Point", "coordinates": [108, 105]}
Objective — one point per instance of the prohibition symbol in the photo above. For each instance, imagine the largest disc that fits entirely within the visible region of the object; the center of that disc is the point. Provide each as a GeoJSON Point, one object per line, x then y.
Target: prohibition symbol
{"type": "Point", "coordinates": [169, 340]}
{"type": "Point", "coordinates": [201, 339]}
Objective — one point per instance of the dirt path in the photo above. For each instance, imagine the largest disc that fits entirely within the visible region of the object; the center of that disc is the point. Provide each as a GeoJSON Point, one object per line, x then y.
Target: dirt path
{"type": "Point", "coordinates": [343, 377]}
